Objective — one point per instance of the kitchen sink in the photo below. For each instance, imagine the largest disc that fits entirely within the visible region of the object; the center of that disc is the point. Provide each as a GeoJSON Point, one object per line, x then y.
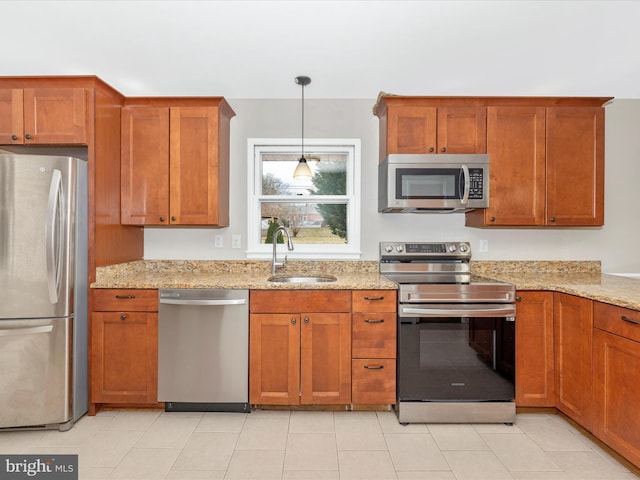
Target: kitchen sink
{"type": "Point", "coordinates": [302, 278]}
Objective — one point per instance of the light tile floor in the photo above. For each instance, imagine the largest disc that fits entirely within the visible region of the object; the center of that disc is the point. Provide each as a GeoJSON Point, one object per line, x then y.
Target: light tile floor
{"type": "Point", "coordinates": [303, 445]}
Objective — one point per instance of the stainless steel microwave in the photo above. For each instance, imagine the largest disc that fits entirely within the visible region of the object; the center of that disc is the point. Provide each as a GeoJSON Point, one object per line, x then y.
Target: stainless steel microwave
{"type": "Point", "coordinates": [433, 183]}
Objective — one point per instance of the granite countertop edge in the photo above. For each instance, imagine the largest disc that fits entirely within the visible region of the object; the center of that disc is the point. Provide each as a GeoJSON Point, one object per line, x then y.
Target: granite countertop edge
{"type": "Point", "coordinates": [580, 278]}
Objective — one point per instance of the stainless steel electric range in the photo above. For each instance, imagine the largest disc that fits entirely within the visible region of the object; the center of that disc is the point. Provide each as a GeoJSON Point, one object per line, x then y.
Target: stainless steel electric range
{"type": "Point", "coordinates": [456, 336]}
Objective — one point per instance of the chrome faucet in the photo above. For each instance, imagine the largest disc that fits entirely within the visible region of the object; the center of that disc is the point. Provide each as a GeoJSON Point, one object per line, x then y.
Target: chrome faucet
{"type": "Point", "coordinates": [274, 263]}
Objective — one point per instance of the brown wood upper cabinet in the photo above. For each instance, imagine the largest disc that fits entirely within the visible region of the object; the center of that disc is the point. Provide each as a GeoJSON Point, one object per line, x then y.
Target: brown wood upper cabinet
{"type": "Point", "coordinates": [175, 161]}
{"type": "Point", "coordinates": [43, 116]}
{"type": "Point", "coordinates": [547, 166]}
{"type": "Point", "coordinates": [424, 125]}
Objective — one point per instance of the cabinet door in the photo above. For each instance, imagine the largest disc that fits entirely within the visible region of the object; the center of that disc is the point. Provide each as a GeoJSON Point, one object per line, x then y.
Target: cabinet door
{"type": "Point", "coordinates": [617, 393]}
{"type": "Point", "coordinates": [55, 115]}
{"type": "Point", "coordinates": [534, 349]}
{"type": "Point", "coordinates": [374, 381]}
{"type": "Point", "coordinates": [11, 117]}
{"type": "Point", "coordinates": [411, 130]}
{"type": "Point", "coordinates": [462, 130]}
{"type": "Point", "coordinates": [575, 166]}
{"type": "Point", "coordinates": [325, 358]}
{"type": "Point", "coordinates": [198, 180]}
{"type": "Point", "coordinates": [145, 166]}
{"type": "Point", "coordinates": [274, 354]}
{"type": "Point", "coordinates": [572, 329]}
{"type": "Point", "coordinates": [124, 357]}
{"type": "Point", "coordinates": [516, 147]}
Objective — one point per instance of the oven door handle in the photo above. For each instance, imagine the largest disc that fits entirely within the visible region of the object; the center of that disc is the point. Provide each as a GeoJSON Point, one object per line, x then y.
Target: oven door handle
{"type": "Point", "coordinates": [455, 311]}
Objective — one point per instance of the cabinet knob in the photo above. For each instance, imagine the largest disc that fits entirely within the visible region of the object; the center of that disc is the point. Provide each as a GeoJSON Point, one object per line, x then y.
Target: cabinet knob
{"type": "Point", "coordinates": [123, 316]}
{"type": "Point", "coordinates": [552, 219]}
{"type": "Point", "coordinates": [431, 150]}
{"type": "Point", "coordinates": [443, 149]}
{"type": "Point", "coordinates": [492, 219]}
{"type": "Point", "coordinates": [173, 218]}
{"type": "Point", "coordinates": [306, 319]}
{"type": "Point", "coordinates": [293, 321]}
{"type": "Point", "coordinates": [14, 137]}
{"type": "Point", "coordinates": [518, 298]}
{"type": "Point", "coordinates": [28, 136]}
{"type": "Point", "coordinates": [162, 219]}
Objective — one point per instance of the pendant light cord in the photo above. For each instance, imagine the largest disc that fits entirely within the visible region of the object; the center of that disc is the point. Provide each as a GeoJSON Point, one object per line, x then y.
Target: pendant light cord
{"type": "Point", "coordinates": [302, 133]}
{"type": "Point", "coordinates": [302, 81]}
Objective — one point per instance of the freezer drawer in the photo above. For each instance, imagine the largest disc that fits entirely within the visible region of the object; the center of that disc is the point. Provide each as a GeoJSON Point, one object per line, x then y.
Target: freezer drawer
{"type": "Point", "coordinates": [35, 385]}
{"type": "Point", "coordinates": [203, 349]}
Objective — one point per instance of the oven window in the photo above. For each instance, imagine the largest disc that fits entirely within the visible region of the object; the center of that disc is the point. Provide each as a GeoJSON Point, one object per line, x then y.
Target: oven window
{"type": "Point", "coordinates": [456, 359]}
{"type": "Point", "coordinates": [428, 183]}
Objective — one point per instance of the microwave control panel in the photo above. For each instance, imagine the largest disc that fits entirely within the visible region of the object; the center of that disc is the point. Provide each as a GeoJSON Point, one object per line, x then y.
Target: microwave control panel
{"type": "Point", "coordinates": [475, 183]}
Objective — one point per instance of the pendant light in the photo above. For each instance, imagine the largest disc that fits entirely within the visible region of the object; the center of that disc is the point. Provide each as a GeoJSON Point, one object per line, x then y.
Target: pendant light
{"type": "Point", "coordinates": [302, 170]}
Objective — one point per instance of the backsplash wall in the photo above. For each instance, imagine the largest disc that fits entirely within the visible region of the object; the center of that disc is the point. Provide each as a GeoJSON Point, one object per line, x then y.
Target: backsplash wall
{"type": "Point", "coordinates": [615, 244]}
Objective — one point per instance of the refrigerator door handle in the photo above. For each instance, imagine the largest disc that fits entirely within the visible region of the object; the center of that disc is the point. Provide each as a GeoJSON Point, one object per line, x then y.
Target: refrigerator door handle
{"type": "Point", "coordinates": [53, 236]}
{"type": "Point", "coordinates": [26, 330]}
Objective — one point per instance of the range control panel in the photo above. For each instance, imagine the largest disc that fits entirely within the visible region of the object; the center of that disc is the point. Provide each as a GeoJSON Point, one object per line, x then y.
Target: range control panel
{"type": "Point", "coordinates": [426, 250]}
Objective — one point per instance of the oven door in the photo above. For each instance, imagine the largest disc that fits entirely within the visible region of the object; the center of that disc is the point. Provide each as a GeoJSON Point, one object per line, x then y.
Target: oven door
{"type": "Point", "coordinates": [456, 353]}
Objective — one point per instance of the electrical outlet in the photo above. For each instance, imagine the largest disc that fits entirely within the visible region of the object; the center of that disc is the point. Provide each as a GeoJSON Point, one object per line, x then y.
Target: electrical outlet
{"type": "Point", "coordinates": [483, 246]}
{"type": "Point", "coordinates": [236, 240]}
{"type": "Point", "coordinates": [219, 241]}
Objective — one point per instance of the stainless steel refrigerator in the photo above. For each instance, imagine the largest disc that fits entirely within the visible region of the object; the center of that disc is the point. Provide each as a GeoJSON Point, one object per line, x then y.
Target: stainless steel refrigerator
{"type": "Point", "coordinates": [43, 291]}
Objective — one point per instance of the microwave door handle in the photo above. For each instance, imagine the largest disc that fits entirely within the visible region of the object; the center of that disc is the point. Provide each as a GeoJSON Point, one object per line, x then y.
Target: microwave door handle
{"type": "Point", "coordinates": [467, 185]}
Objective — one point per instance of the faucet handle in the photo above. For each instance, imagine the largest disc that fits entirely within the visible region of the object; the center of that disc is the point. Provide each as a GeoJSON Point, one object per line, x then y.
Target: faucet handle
{"type": "Point", "coordinates": [284, 263]}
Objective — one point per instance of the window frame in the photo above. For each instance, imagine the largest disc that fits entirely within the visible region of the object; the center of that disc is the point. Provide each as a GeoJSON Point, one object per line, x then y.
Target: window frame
{"type": "Point", "coordinates": [349, 251]}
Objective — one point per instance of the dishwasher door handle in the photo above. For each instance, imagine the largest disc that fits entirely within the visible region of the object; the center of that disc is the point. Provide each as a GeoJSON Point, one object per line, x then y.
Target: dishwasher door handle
{"type": "Point", "coordinates": [212, 302]}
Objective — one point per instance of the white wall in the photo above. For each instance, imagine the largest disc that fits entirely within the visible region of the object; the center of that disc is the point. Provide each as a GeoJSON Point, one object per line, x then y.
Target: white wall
{"type": "Point", "coordinates": [617, 244]}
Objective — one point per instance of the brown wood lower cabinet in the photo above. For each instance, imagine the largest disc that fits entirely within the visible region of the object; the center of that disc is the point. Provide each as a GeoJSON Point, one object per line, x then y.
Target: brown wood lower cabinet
{"type": "Point", "coordinates": [300, 347]}
{"type": "Point", "coordinates": [573, 332]}
{"type": "Point", "coordinates": [616, 379]}
{"type": "Point", "coordinates": [535, 370]}
{"type": "Point", "coordinates": [124, 347]}
{"type": "Point", "coordinates": [373, 365]}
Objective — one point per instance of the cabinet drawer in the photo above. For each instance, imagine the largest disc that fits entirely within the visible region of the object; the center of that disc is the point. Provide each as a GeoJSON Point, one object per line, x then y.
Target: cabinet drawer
{"type": "Point", "coordinates": [112, 300]}
{"type": "Point", "coordinates": [374, 301]}
{"type": "Point", "coordinates": [373, 335]}
{"type": "Point", "coordinates": [618, 320]}
{"type": "Point", "coordinates": [373, 381]}
{"type": "Point", "coordinates": [286, 301]}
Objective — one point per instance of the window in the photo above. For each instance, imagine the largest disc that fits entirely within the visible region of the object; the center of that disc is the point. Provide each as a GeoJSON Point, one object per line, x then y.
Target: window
{"type": "Point", "coordinates": [322, 213]}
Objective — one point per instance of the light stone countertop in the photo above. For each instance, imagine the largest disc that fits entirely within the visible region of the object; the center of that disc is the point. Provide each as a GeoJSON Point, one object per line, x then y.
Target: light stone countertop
{"type": "Point", "coordinates": [581, 278]}
{"type": "Point", "coordinates": [239, 274]}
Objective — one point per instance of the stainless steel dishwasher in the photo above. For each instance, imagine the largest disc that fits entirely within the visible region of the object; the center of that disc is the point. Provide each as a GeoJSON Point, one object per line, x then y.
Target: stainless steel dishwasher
{"type": "Point", "coordinates": [203, 350]}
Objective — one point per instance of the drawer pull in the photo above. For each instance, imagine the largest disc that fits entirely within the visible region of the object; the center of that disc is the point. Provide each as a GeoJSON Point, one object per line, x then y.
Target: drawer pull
{"type": "Point", "coordinates": [123, 316]}
{"type": "Point", "coordinates": [374, 367]}
{"type": "Point", "coordinates": [630, 320]}
{"type": "Point", "coordinates": [374, 298]}
{"type": "Point", "coordinates": [125, 297]}
{"type": "Point", "coordinates": [371, 320]}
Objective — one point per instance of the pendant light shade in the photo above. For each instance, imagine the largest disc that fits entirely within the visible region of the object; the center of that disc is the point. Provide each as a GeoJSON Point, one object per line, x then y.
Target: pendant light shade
{"type": "Point", "coordinates": [302, 169]}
